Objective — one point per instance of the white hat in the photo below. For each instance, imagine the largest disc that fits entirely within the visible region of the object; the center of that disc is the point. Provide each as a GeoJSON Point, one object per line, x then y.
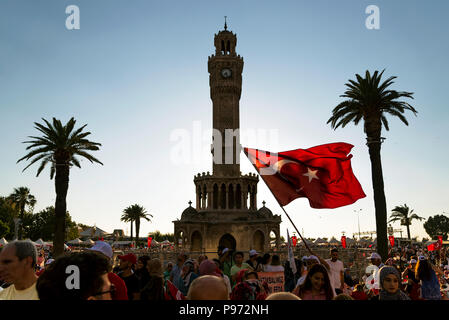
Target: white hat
{"type": "Point", "coordinates": [103, 247]}
{"type": "Point", "coordinates": [225, 250]}
{"type": "Point", "coordinates": [313, 258]}
{"type": "Point", "coordinates": [421, 258]}
{"type": "Point", "coordinates": [375, 255]}
{"type": "Point", "coordinates": [413, 261]}
{"type": "Point", "coordinates": [252, 253]}
{"type": "Point", "coordinates": [49, 261]}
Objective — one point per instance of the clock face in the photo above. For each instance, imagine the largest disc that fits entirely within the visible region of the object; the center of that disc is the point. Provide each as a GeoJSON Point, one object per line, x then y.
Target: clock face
{"type": "Point", "coordinates": [226, 73]}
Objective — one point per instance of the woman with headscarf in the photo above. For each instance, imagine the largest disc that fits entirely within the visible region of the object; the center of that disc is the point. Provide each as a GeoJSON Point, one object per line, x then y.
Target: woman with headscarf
{"type": "Point", "coordinates": [154, 289]}
{"type": "Point", "coordinates": [390, 280]}
{"type": "Point", "coordinates": [210, 268]}
{"type": "Point", "coordinates": [249, 287]}
{"type": "Point", "coordinates": [426, 275]}
{"type": "Point", "coordinates": [187, 276]}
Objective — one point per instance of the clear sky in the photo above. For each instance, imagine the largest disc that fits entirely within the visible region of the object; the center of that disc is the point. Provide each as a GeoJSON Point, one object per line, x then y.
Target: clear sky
{"type": "Point", "coordinates": [136, 73]}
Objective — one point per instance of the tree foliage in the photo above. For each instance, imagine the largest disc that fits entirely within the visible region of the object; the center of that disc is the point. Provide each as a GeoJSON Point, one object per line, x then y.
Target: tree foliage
{"type": "Point", "coordinates": [437, 225]}
{"type": "Point", "coordinates": [159, 237]}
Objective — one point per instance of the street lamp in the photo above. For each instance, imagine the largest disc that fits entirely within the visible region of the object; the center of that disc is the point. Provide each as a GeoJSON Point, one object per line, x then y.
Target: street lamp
{"type": "Point", "coordinates": [358, 221]}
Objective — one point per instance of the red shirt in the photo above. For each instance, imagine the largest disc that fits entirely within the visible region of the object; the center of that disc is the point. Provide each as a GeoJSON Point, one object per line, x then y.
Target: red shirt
{"type": "Point", "coordinates": [38, 273]}
{"type": "Point", "coordinates": [359, 295]}
{"type": "Point", "coordinates": [121, 292]}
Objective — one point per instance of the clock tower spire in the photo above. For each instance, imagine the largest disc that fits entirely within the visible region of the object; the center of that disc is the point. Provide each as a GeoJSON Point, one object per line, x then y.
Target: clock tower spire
{"type": "Point", "coordinates": [225, 79]}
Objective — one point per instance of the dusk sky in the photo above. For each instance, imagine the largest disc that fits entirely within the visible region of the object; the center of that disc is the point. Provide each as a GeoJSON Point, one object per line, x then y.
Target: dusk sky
{"type": "Point", "coordinates": [136, 73]}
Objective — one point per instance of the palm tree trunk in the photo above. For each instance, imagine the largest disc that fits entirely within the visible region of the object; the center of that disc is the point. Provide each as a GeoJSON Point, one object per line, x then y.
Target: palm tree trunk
{"type": "Point", "coordinates": [380, 203]}
{"type": "Point", "coordinates": [22, 211]}
{"type": "Point", "coordinates": [408, 232]}
{"type": "Point", "coordinates": [137, 230]}
{"type": "Point", "coordinates": [61, 186]}
{"type": "Point", "coordinates": [131, 230]}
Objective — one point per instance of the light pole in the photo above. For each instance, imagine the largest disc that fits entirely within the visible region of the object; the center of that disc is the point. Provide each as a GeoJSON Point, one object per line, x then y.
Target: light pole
{"type": "Point", "coordinates": [358, 220]}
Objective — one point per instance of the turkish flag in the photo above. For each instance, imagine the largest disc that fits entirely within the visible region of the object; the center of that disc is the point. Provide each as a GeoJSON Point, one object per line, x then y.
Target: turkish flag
{"type": "Point", "coordinates": [440, 240]}
{"type": "Point", "coordinates": [391, 238]}
{"type": "Point", "coordinates": [294, 240]}
{"type": "Point", "coordinates": [343, 241]}
{"type": "Point", "coordinates": [149, 241]}
{"type": "Point", "coordinates": [431, 247]}
{"type": "Point", "coordinates": [322, 174]}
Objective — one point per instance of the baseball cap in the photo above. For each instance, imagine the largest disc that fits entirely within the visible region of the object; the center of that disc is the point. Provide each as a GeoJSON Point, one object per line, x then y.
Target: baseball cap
{"type": "Point", "coordinates": [131, 257]}
{"type": "Point", "coordinates": [413, 261]}
{"type": "Point", "coordinates": [314, 258]}
{"type": "Point", "coordinates": [375, 255]}
{"type": "Point", "coordinates": [102, 247]}
{"type": "Point", "coordinates": [49, 261]}
{"type": "Point", "coordinates": [252, 253]}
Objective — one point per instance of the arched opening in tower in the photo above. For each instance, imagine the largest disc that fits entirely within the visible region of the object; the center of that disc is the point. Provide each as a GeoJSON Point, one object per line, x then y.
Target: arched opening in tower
{"type": "Point", "coordinates": [231, 197]}
{"type": "Point", "coordinates": [258, 241]}
{"type": "Point", "coordinates": [196, 242]}
{"type": "Point", "coordinates": [238, 197]}
{"type": "Point", "coordinates": [227, 241]}
{"type": "Point", "coordinates": [223, 196]}
{"type": "Point", "coordinates": [215, 197]}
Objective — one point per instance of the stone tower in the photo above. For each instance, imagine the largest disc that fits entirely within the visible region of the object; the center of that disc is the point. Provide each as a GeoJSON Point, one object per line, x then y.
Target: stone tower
{"type": "Point", "coordinates": [226, 211]}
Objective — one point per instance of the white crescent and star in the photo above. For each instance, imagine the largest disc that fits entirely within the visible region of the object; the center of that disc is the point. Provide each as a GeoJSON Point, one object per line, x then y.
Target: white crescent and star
{"type": "Point", "coordinates": [311, 174]}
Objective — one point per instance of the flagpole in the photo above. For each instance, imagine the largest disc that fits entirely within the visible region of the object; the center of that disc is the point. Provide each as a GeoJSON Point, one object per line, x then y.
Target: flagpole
{"type": "Point", "coordinates": [303, 240]}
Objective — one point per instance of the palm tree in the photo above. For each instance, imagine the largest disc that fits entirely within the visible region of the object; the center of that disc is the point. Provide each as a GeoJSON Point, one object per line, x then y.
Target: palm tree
{"type": "Point", "coordinates": [60, 146]}
{"type": "Point", "coordinates": [404, 214]}
{"type": "Point", "coordinates": [127, 217]}
{"type": "Point", "coordinates": [371, 101]}
{"type": "Point", "coordinates": [136, 213]}
{"type": "Point", "coordinates": [21, 198]}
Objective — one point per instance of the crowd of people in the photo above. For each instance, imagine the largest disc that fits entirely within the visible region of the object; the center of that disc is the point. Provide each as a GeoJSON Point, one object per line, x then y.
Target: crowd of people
{"type": "Point", "coordinates": [26, 274]}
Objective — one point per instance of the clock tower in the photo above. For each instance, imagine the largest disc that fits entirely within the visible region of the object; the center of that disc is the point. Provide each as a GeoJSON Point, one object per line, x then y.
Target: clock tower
{"type": "Point", "coordinates": [226, 213]}
{"type": "Point", "coordinates": [225, 79]}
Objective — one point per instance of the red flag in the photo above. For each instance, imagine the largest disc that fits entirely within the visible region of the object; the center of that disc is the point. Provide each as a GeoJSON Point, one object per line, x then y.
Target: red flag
{"type": "Point", "coordinates": [440, 240]}
{"type": "Point", "coordinates": [294, 240]}
{"type": "Point", "coordinates": [343, 241]}
{"type": "Point", "coordinates": [173, 293]}
{"type": "Point", "coordinates": [391, 238]}
{"type": "Point", "coordinates": [431, 247]}
{"type": "Point", "coordinates": [149, 241]}
{"type": "Point", "coordinates": [323, 174]}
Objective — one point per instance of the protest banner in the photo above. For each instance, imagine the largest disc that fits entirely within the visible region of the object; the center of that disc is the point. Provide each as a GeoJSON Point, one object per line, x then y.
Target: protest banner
{"type": "Point", "coordinates": [275, 280]}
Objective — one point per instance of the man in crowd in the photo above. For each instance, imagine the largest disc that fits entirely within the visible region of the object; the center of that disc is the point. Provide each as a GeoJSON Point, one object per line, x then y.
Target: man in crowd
{"type": "Point", "coordinates": [17, 263]}
{"type": "Point", "coordinates": [252, 261]}
{"type": "Point", "coordinates": [239, 265]}
{"type": "Point", "coordinates": [336, 271]}
{"type": "Point", "coordinates": [127, 274]}
{"type": "Point", "coordinates": [175, 273]}
{"type": "Point", "coordinates": [376, 260]}
{"type": "Point", "coordinates": [208, 288]}
{"type": "Point", "coordinates": [88, 282]}
{"type": "Point", "coordinates": [226, 262]}
{"type": "Point", "coordinates": [105, 249]}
